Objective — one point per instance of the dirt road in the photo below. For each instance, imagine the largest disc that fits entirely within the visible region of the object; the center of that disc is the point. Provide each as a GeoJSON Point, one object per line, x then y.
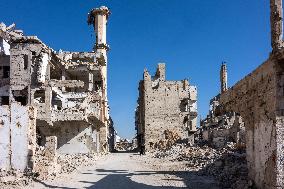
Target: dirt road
{"type": "Point", "coordinates": [127, 171]}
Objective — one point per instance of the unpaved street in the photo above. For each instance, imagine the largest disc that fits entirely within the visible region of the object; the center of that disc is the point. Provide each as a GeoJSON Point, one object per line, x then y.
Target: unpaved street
{"type": "Point", "coordinates": [127, 170]}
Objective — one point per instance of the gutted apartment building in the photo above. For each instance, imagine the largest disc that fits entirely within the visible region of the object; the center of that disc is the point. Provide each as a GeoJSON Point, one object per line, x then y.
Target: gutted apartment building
{"type": "Point", "coordinates": [46, 95]}
{"type": "Point", "coordinates": [164, 107]}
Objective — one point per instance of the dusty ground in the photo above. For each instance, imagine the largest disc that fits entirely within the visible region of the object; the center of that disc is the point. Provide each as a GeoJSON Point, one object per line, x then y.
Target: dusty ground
{"type": "Point", "coordinates": [126, 171]}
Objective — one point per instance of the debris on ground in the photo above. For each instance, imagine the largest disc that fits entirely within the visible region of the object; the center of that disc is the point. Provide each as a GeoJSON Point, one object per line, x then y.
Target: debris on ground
{"type": "Point", "coordinates": [228, 164]}
{"type": "Point", "coordinates": [15, 179]}
{"type": "Point", "coordinates": [44, 170]}
{"type": "Point", "coordinates": [70, 162]}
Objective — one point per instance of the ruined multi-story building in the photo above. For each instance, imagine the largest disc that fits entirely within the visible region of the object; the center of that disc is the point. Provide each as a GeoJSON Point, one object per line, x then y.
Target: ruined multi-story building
{"type": "Point", "coordinates": [164, 106]}
{"type": "Point", "coordinates": [59, 98]}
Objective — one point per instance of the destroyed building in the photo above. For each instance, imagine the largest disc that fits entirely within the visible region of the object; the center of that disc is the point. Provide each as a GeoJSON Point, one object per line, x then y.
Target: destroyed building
{"type": "Point", "coordinates": [259, 99]}
{"type": "Point", "coordinates": [165, 107]}
{"type": "Point", "coordinates": [53, 99]}
{"type": "Point", "coordinates": [219, 128]}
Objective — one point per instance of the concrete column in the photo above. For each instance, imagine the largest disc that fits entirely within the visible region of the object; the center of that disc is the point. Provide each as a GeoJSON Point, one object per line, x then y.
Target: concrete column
{"type": "Point", "coordinates": [276, 21]}
{"type": "Point", "coordinates": [224, 77]}
{"type": "Point", "coordinates": [50, 148]}
{"type": "Point", "coordinates": [63, 77]}
{"type": "Point", "coordinates": [91, 82]}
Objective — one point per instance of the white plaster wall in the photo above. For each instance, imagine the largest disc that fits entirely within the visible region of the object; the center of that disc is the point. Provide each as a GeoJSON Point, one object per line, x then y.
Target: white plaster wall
{"type": "Point", "coordinates": [193, 92]}
{"type": "Point", "coordinates": [4, 47]}
{"type": "Point", "coordinates": [193, 107]}
{"type": "Point", "coordinates": [4, 137]}
{"type": "Point", "coordinates": [19, 136]}
{"type": "Point", "coordinates": [43, 68]}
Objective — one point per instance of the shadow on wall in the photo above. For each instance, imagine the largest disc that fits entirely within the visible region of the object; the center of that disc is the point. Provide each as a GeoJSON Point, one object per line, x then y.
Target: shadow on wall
{"type": "Point", "coordinates": [72, 137]}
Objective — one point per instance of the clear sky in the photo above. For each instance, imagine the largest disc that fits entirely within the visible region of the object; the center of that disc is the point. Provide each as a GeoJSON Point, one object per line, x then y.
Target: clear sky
{"type": "Point", "coordinates": [192, 37]}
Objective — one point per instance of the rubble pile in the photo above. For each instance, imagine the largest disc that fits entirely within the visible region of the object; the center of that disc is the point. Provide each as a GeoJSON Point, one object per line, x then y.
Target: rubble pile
{"type": "Point", "coordinates": [228, 165]}
{"type": "Point", "coordinates": [13, 178]}
{"type": "Point", "coordinates": [217, 130]}
{"type": "Point", "coordinates": [123, 144]}
{"type": "Point", "coordinates": [46, 165]}
{"type": "Point", "coordinates": [44, 169]}
{"type": "Point", "coordinates": [230, 170]}
{"type": "Point", "coordinates": [171, 138]}
{"type": "Point", "coordinates": [70, 162]}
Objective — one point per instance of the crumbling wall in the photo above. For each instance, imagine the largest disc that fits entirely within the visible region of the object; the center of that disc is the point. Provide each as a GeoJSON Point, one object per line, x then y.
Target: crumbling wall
{"type": "Point", "coordinates": [23, 136]}
{"type": "Point", "coordinates": [254, 99]}
{"type": "Point", "coordinates": [46, 158]}
{"type": "Point", "coordinates": [73, 137]}
{"type": "Point", "coordinates": [17, 136]}
{"type": "Point", "coordinates": [4, 71]}
{"type": "Point", "coordinates": [5, 137]}
{"type": "Point", "coordinates": [218, 130]}
{"type": "Point", "coordinates": [276, 22]}
{"type": "Point", "coordinates": [258, 98]}
{"type": "Point", "coordinates": [165, 106]}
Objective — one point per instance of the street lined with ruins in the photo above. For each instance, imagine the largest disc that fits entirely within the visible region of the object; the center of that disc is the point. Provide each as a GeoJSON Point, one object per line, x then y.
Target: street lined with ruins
{"type": "Point", "coordinates": [127, 170]}
{"type": "Point", "coordinates": [57, 130]}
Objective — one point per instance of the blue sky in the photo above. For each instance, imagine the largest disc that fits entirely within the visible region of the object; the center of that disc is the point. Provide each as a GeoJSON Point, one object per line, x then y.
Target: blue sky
{"type": "Point", "coordinates": [192, 37]}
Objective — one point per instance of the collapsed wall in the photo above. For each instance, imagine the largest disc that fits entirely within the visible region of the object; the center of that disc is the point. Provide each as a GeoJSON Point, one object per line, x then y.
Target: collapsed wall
{"type": "Point", "coordinates": [165, 107]}
{"type": "Point", "coordinates": [254, 98]}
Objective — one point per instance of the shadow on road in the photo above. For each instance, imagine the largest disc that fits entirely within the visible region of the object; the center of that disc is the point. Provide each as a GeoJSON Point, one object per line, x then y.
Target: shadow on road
{"type": "Point", "coordinates": [121, 179]}
{"type": "Point", "coordinates": [145, 179]}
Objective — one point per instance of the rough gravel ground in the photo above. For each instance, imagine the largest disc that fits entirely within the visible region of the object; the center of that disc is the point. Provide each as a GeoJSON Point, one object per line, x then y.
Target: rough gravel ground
{"type": "Point", "coordinates": [127, 171]}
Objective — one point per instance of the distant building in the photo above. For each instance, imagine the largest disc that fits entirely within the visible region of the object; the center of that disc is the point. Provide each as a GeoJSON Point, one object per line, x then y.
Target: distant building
{"type": "Point", "coordinates": [165, 106]}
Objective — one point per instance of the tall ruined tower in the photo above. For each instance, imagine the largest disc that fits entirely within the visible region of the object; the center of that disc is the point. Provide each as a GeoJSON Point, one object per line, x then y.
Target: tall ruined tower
{"type": "Point", "coordinates": [276, 21]}
{"type": "Point", "coordinates": [224, 77]}
{"type": "Point", "coordinates": [98, 17]}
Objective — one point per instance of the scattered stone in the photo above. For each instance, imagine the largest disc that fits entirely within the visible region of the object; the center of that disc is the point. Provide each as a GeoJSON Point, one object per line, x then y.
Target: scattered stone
{"type": "Point", "coordinates": [228, 165]}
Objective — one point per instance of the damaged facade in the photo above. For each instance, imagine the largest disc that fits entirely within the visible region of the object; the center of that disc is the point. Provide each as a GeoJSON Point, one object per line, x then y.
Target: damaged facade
{"type": "Point", "coordinates": [53, 99]}
{"type": "Point", "coordinates": [259, 99]}
{"type": "Point", "coordinates": [164, 107]}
